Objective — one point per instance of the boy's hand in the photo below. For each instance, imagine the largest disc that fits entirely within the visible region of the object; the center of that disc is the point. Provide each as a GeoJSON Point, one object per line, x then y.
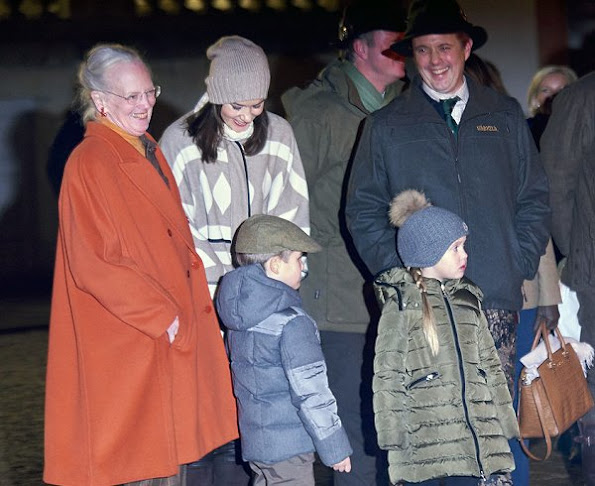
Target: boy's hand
{"type": "Point", "coordinates": [343, 466]}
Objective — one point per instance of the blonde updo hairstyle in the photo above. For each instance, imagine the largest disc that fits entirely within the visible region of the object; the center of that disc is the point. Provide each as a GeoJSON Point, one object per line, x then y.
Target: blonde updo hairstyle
{"type": "Point", "coordinates": [91, 73]}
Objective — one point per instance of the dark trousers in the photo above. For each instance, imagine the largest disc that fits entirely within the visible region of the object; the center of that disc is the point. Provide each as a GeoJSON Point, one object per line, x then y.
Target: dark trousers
{"type": "Point", "coordinates": [177, 480]}
{"type": "Point", "coordinates": [451, 481]}
{"type": "Point", "coordinates": [297, 471]}
{"type": "Point", "coordinates": [349, 359]}
{"type": "Point", "coordinates": [221, 467]}
{"type": "Point", "coordinates": [503, 325]}
{"type": "Point", "coordinates": [524, 340]}
{"type": "Point", "coordinates": [586, 318]}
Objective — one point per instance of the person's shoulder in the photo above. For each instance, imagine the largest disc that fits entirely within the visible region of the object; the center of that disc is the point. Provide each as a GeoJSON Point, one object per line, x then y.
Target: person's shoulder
{"type": "Point", "coordinates": [488, 99]}
{"type": "Point", "coordinates": [277, 122]}
{"type": "Point", "coordinates": [585, 82]}
{"type": "Point", "coordinates": [279, 128]}
{"type": "Point", "coordinates": [177, 130]}
{"type": "Point", "coordinates": [466, 287]}
{"type": "Point", "coordinates": [405, 103]}
{"type": "Point", "coordinates": [578, 92]}
{"type": "Point", "coordinates": [318, 102]}
{"type": "Point", "coordinates": [296, 317]}
{"type": "Point", "coordinates": [100, 144]}
{"type": "Point", "coordinates": [299, 311]}
{"type": "Point", "coordinates": [99, 138]}
{"type": "Point", "coordinates": [328, 91]}
{"type": "Point", "coordinates": [240, 272]}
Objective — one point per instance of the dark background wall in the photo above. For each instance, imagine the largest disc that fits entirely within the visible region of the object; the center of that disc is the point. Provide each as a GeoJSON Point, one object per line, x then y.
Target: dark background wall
{"type": "Point", "coordinates": [42, 42]}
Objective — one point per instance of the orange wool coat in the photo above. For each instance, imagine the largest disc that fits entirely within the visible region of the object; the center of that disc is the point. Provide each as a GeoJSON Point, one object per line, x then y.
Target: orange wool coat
{"type": "Point", "coordinates": [122, 403]}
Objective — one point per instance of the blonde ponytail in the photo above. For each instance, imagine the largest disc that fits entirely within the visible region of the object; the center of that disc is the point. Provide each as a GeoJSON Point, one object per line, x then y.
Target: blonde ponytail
{"type": "Point", "coordinates": [429, 320]}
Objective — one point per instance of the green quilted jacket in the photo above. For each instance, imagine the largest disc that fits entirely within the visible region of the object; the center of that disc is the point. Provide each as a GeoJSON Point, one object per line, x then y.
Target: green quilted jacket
{"type": "Point", "coordinates": [444, 415]}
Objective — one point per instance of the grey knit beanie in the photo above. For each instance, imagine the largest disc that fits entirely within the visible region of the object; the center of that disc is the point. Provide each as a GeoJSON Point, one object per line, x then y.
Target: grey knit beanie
{"type": "Point", "coordinates": [425, 231]}
{"type": "Point", "coordinates": [239, 71]}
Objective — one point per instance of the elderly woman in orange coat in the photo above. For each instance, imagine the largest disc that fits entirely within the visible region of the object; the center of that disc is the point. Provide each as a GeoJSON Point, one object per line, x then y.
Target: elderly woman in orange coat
{"type": "Point", "coordinates": [137, 379]}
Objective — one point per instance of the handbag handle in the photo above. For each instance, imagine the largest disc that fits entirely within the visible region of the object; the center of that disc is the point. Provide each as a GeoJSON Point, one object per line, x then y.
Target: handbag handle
{"type": "Point", "coordinates": [543, 333]}
{"type": "Point", "coordinates": [546, 436]}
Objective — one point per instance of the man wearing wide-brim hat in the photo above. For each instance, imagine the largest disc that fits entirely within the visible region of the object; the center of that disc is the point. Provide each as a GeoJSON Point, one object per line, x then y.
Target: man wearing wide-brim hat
{"type": "Point", "coordinates": [469, 149]}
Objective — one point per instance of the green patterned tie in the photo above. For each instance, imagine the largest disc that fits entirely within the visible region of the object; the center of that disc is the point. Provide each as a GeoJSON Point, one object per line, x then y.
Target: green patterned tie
{"type": "Point", "coordinates": [447, 106]}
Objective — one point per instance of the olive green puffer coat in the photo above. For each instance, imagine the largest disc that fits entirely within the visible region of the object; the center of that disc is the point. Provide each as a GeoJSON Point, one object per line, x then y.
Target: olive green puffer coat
{"type": "Point", "coordinates": [444, 415]}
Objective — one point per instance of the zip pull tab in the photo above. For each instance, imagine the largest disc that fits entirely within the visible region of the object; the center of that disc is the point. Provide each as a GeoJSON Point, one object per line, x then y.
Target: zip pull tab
{"type": "Point", "coordinates": [443, 288]}
{"type": "Point", "coordinates": [483, 479]}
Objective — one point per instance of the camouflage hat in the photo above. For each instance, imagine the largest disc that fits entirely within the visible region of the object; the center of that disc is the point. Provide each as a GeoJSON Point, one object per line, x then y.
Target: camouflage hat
{"type": "Point", "coordinates": [266, 234]}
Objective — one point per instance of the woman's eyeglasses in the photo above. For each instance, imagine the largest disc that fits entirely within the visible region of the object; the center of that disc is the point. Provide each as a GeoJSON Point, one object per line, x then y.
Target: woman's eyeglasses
{"type": "Point", "coordinates": [134, 98]}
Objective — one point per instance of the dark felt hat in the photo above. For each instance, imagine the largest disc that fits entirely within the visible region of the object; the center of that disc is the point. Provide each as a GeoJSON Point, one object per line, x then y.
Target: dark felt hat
{"type": "Point", "coordinates": [437, 17]}
{"type": "Point", "coordinates": [362, 16]}
{"type": "Point", "coordinates": [265, 234]}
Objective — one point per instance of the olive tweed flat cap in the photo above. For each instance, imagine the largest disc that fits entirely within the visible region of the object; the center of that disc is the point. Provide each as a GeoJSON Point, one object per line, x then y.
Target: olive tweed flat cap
{"type": "Point", "coordinates": [266, 234]}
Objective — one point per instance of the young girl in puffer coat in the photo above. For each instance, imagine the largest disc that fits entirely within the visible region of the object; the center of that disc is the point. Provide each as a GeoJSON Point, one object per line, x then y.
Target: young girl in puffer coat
{"type": "Point", "coordinates": [441, 403]}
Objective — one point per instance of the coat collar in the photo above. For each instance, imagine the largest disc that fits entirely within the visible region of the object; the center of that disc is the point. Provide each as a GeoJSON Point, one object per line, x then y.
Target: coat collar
{"type": "Point", "coordinates": [400, 280]}
{"type": "Point", "coordinates": [482, 100]}
{"type": "Point", "coordinates": [146, 179]}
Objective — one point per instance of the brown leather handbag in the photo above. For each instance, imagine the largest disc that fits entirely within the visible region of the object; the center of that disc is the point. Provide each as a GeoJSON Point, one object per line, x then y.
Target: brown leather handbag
{"type": "Point", "coordinates": [552, 402]}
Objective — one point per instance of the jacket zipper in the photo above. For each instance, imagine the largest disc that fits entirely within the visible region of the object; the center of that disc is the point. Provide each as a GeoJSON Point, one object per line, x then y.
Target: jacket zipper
{"type": "Point", "coordinates": [462, 373]}
{"type": "Point", "coordinates": [247, 180]}
{"type": "Point", "coordinates": [462, 205]}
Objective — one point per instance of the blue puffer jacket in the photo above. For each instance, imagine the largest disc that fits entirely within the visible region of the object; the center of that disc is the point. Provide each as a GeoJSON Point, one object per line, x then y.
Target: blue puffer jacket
{"type": "Point", "coordinates": [285, 406]}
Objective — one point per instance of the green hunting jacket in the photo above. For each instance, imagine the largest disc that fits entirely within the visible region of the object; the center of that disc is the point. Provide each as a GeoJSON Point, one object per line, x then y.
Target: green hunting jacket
{"type": "Point", "coordinates": [326, 116]}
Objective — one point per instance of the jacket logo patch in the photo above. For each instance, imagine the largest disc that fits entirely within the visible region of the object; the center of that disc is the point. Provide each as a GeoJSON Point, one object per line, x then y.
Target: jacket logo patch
{"type": "Point", "coordinates": [486, 128]}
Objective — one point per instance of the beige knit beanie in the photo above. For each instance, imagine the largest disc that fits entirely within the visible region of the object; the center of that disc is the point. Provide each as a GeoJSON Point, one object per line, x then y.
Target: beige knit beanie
{"type": "Point", "coordinates": [239, 71]}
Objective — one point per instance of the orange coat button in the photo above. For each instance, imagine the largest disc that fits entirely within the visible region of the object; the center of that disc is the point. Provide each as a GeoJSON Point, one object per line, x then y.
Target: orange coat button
{"type": "Point", "coordinates": [169, 232]}
{"type": "Point", "coordinates": [195, 264]}
{"type": "Point", "coordinates": [208, 309]}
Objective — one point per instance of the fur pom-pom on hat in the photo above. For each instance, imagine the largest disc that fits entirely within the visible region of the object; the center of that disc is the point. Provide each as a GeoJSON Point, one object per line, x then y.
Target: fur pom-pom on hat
{"type": "Point", "coordinates": [405, 204]}
{"type": "Point", "coordinates": [425, 231]}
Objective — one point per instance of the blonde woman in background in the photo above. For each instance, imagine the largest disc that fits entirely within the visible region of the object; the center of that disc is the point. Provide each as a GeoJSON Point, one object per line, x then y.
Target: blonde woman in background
{"type": "Point", "coordinates": [546, 83]}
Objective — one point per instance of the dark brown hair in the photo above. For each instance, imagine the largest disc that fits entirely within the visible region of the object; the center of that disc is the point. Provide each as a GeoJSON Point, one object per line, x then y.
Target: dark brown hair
{"type": "Point", "coordinates": [485, 73]}
{"type": "Point", "coordinates": [206, 129]}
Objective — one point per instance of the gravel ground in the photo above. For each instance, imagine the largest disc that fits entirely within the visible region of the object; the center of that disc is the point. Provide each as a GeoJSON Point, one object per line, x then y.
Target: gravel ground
{"type": "Point", "coordinates": [22, 379]}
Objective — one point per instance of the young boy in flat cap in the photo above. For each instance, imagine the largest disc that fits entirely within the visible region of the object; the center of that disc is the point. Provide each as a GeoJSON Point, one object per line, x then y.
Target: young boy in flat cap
{"type": "Point", "coordinates": [286, 409]}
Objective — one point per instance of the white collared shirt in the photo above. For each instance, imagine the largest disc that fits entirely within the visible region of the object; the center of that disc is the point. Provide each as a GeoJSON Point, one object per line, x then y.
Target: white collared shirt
{"type": "Point", "coordinates": [462, 93]}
